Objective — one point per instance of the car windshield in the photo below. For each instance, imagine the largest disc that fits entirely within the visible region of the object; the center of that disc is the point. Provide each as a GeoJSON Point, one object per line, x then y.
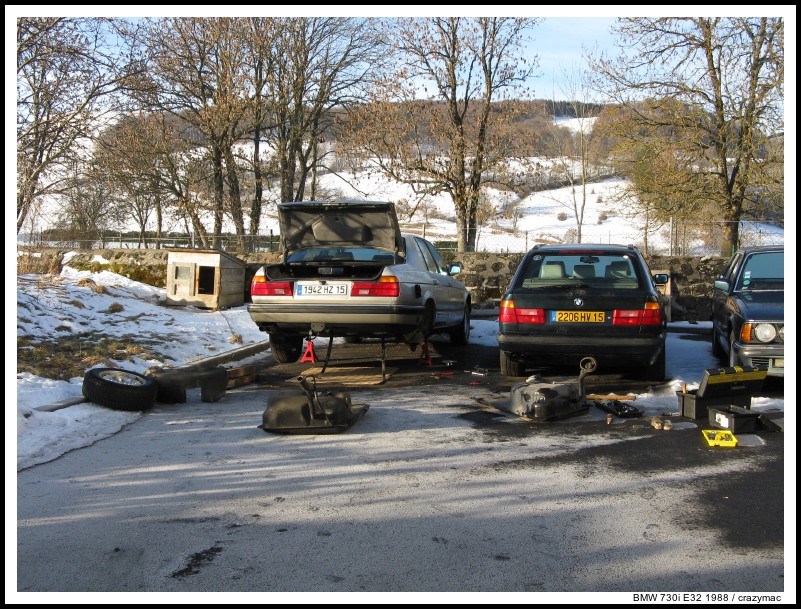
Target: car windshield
{"type": "Point", "coordinates": [762, 271]}
{"type": "Point", "coordinates": [326, 255]}
{"type": "Point", "coordinates": [569, 269]}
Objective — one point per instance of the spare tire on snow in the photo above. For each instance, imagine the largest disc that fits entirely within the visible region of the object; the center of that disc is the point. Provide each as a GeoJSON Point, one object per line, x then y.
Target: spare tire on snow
{"type": "Point", "coordinates": [119, 389]}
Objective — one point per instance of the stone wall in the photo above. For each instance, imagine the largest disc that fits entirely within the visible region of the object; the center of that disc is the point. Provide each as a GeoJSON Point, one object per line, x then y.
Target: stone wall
{"type": "Point", "coordinates": [692, 280]}
{"type": "Point", "coordinates": [486, 275]}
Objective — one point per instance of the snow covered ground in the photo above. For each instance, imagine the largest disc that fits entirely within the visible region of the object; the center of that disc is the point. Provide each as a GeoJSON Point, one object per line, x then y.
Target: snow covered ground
{"type": "Point", "coordinates": [68, 304]}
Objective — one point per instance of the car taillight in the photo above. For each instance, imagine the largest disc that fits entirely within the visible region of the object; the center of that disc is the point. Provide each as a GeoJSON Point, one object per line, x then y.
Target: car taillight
{"type": "Point", "coordinates": [650, 315]}
{"type": "Point", "coordinates": [261, 287]}
{"type": "Point", "coordinates": [510, 314]}
{"type": "Point", "coordinates": [387, 286]}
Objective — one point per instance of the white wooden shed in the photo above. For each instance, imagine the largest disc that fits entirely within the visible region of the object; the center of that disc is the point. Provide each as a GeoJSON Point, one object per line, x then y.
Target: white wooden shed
{"type": "Point", "coordinates": [208, 279]}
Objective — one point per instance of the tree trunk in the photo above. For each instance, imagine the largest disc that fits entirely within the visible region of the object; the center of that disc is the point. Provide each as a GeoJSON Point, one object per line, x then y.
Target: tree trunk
{"type": "Point", "coordinates": [287, 167]}
{"type": "Point", "coordinates": [159, 220]}
{"type": "Point", "coordinates": [218, 196]}
{"type": "Point", "coordinates": [235, 198]}
{"type": "Point", "coordinates": [197, 225]}
{"type": "Point", "coordinates": [731, 227]}
{"type": "Point", "coordinates": [255, 206]}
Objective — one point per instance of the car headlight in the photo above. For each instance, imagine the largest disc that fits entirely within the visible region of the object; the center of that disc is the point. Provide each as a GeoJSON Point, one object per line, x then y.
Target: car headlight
{"type": "Point", "coordinates": [764, 333]}
{"type": "Point", "coordinates": [781, 333]}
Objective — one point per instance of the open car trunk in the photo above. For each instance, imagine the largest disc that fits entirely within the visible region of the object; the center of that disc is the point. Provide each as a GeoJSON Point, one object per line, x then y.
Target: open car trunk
{"type": "Point", "coordinates": [339, 224]}
{"type": "Point", "coordinates": [352, 240]}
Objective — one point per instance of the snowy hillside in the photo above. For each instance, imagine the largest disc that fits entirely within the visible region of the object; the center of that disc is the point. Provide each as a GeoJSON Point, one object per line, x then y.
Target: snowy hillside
{"type": "Point", "coordinates": [610, 215]}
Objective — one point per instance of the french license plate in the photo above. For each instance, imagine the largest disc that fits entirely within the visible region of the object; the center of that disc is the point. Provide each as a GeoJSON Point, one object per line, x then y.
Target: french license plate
{"type": "Point", "coordinates": [778, 362]}
{"type": "Point", "coordinates": [316, 288]}
{"type": "Point", "coordinates": [582, 317]}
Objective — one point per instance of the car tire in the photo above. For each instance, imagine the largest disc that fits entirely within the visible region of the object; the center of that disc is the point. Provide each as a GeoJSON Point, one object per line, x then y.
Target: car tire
{"type": "Point", "coordinates": [428, 320]}
{"type": "Point", "coordinates": [656, 371]}
{"type": "Point", "coordinates": [286, 349]}
{"type": "Point", "coordinates": [119, 389]}
{"type": "Point", "coordinates": [717, 350]}
{"type": "Point", "coordinates": [511, 366]}
{"type": "Point", "coordinates": [460, 335]}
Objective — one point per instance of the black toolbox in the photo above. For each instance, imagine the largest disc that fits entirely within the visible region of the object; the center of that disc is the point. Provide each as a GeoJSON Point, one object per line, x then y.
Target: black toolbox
{"type": "Point", "coordinates": [721, 387]}
{"type": "Point", "coordinates": [734, 419]}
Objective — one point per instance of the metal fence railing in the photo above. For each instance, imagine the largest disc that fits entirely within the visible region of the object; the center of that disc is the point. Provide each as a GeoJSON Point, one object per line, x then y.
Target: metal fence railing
{"type": "Point", "coordinates": [681, 239]}
{"type": "Point", "coordinates": [226, 242]}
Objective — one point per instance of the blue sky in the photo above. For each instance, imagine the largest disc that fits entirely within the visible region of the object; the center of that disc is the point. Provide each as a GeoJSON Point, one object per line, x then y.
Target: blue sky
{"type": "Point", "coordinates": [560, 40]}
{"type": "Point", "coordinates": [561, 44]}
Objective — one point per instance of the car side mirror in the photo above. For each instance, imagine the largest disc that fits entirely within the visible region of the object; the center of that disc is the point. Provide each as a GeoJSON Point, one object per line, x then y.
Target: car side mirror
{"type": "Point", "coordinates": [661, 278]}
{"type": "Point", "coordinates": [455, 268]}
{"type": "Point", "coordinates": [722, 285]}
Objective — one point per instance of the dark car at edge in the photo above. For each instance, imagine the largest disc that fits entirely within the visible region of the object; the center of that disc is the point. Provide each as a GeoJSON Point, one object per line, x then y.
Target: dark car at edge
{"type": "Point", "coordinates": [567, 302]}
{"type": "Point", "coordinates": [748, 310]}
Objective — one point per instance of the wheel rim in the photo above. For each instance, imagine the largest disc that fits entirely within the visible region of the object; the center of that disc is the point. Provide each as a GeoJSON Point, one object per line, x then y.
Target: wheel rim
{"type": "Point", "coordinates": [121, 377]}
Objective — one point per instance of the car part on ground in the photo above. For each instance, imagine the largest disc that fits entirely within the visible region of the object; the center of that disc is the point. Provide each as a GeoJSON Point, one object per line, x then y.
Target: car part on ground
{"type": "Point", "coordinates": [172, 383]}
{"type": "Point", "coordinates": [619, 409]}
{"type": "Point", "coordinates": [119, 389]}
{"type": "Point", "coordinates": [566, 302]}
{"type": "Point", "coordinates": [311, 412]}
{"type": "Point", "coordinates": [347, 271]}
{"type": "Point", "coordinates": [551, 401]}
{"type": "Point", "coordinates": [748, 310]}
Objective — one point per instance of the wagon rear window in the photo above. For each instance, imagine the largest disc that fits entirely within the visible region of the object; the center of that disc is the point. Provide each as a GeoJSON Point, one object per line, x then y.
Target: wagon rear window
{"type": "Point", "coordinates": [588, 270]}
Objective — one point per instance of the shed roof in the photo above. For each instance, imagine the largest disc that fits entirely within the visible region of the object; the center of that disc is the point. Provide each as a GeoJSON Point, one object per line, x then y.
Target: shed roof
{"type": "Point", "coordinates": [188, 250]}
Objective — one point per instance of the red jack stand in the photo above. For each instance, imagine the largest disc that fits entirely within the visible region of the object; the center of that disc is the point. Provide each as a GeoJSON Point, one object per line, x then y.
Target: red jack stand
{"type": "Point", "coordinates": [425, 355]}
{"type": "Point", "coordinates": [309, 355]}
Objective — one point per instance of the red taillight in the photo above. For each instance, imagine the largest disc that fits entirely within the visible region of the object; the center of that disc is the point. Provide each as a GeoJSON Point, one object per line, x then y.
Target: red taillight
{"type": "Point", "coordinates": [510, 314]}
{"type": "Point", "coordinates": [651, 315]}
{"type": "Point", "coordinates": [261, 287]}
{"type": "Point", "coordinates": [387, 286]}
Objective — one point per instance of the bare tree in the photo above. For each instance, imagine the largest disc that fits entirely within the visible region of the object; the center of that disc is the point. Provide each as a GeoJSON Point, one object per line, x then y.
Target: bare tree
{"type": "Point", "coordinates": [664, 184]}
{"type": "Point", "coordinates": [459, 139]}
{"type": "Point", "coordinates": [317, 64]}
{"type": "Point", "coordinates": [67, 73]}
{"type": "Point", "coordinates": [87, 209]}
{"type": "Point", "coordinates": [134, 156]}
{"type": "Point", "coordinates": [196, 74]}
{"type": "Point", "coordinates": [576, 161]}
{"type": "Point", "coordinates": [717, 85]}
{"type": "Point", "coordinates": [257, 36]}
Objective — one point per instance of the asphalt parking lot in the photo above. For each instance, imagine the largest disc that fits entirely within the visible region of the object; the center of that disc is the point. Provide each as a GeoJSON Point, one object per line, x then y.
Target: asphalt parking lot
{"type": "Point", "coordinates": [431, 491]}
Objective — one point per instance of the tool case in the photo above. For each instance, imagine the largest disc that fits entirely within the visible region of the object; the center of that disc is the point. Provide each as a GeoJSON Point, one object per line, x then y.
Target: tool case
{"type": "Point", "coordinates": [721, 387]}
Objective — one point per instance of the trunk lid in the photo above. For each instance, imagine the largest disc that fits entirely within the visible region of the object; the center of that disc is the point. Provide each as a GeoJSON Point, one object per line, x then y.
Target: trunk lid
{"type": "Point", "coordinates": [312, 224]}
